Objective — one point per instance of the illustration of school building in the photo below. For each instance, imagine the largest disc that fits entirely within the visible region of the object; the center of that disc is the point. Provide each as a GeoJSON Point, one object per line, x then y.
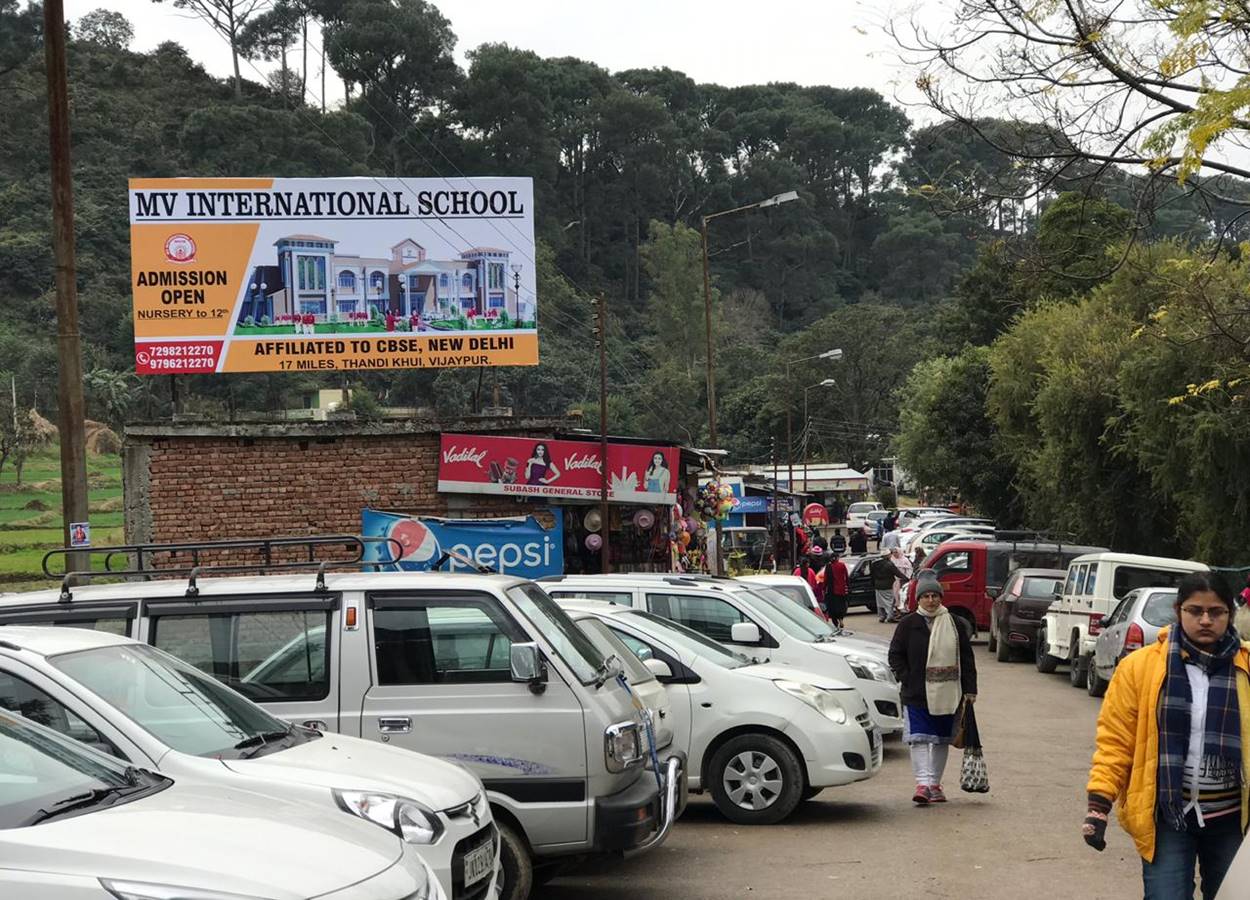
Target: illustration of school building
{"type": "Point", "coordinates": [310, 278]}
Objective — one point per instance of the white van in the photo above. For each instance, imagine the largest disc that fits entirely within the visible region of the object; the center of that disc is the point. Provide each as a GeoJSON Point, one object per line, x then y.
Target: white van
{"type": "Point", "coordinates": [481, 670]}
{"type": "Point", "coordinates": [155, 711]}
{"type": "Point", "coordinates": [1095, 583]}
{"type": "Point", "coordinates": [78, 825]}
{"type": "Point", "coordinates": [761, 738]}
{"type": "Point", "coordinates": [754, 620]}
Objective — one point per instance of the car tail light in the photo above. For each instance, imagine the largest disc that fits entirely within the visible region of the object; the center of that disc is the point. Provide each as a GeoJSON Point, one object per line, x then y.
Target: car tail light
{"type": "Point", "coordinates": [1133, 638]}
{"type": "Point", "coordinates": [1095, 624]}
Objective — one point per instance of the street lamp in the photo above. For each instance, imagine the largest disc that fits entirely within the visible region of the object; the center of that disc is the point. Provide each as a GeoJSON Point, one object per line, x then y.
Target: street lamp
{"type": "Point", "coordinates": [775, 200]}
{"type": "Point", "coordinates": [807, 423]}
{"type": "Point", "coordinates": [835, 355]}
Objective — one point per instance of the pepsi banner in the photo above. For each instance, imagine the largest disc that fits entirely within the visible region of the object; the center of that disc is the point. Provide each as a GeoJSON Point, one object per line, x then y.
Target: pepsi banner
{"type": "Point", "coordinates": [512, 546]}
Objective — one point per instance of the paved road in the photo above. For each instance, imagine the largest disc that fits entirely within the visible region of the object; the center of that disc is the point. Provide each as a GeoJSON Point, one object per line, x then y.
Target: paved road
{"type": "Point", "coordinates": [867, 840]}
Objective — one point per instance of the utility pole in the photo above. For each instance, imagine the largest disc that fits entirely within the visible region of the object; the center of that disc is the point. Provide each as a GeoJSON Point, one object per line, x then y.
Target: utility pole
{"type": "Point", "coordinates": [711, 359]}
{"type": "Point", "coordinates": [71, 412]}
{"type": "Point", "coordinates": [601, 338]}
{"type": "Point", "coordinates": [776, 526]}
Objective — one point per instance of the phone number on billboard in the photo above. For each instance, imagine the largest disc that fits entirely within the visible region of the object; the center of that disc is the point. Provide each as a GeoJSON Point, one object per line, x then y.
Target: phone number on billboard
{"type": "Point", "coordinates": [177, 357]}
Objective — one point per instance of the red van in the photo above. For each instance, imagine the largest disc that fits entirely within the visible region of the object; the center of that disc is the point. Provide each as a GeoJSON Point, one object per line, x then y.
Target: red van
{"type": "Point", "coordinates": [974, 572]}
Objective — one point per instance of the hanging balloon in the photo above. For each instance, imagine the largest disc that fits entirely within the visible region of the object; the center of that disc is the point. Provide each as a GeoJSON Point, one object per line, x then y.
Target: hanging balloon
{"type": "Point", "coordinates": [683, 538]}
{"type": "Point", "coordinates": [592, 520]}
{"type": "Point", "coordinates": [644, 519]}
{"type": "Point", "coordinates": [593, 542]}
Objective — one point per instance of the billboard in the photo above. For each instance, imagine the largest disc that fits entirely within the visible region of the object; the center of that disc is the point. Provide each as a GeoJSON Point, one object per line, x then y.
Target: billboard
{"type": "Point", "coordinates": [512, 546]}
{"type": "Point", "coordinates": [536, 467]}
{"type": "Point", "coordinates": [313, 274]}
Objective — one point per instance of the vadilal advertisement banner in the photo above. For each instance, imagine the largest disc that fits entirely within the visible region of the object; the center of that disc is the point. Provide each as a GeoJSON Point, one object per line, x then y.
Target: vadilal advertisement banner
{"type": "Point", "coordinates": [312, 274]}
{"type": "Point", "coordinates": [529, 467]}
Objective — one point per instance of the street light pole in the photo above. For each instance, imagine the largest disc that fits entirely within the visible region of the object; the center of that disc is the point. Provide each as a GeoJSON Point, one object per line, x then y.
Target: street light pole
{"type": "Point", "coordinates": [807, 423]}
{"type": "Point", "coordinates": [775, 200]}
{"type": "Point", "coordinates": [835, 354]}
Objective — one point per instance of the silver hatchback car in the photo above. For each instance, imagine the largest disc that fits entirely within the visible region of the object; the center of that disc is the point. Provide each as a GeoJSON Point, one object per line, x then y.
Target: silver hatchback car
{"type": "Point", "coordinates": [1133, 624]}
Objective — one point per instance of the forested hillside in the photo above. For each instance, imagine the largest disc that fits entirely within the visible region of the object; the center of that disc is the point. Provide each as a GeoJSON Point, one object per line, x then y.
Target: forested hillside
{"type": "Point", "coordinates": [906, 243]}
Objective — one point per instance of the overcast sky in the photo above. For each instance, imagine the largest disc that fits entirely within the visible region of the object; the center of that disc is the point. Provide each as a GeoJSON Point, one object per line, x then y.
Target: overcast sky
{"type": "Point", "coordinates": [728, 42]}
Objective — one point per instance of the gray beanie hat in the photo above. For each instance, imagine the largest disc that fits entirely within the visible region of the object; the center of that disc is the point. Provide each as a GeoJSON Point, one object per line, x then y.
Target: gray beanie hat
{"type": "Point", "coordinates": [927, 582]}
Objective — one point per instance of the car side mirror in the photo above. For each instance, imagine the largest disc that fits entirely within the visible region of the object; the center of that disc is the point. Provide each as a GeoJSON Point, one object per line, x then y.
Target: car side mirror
{"type": "Point", "coordinates": [1104, 622]}
{"type": "Point", "coordinates": [992, 593]}
{"type": "Point", "coordinates": [658, 667]}
{"type": "Point", "coordinates": [527, 666]}
{"type": "Point", "coordinates": [744, 633]}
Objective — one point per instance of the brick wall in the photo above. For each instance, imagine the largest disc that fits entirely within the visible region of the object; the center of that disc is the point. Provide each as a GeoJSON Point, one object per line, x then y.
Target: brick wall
{"type": "Point", "coordinates": [198, 485]}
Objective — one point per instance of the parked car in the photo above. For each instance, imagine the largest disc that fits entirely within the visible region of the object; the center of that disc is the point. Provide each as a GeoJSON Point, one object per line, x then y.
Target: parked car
{"type": "Point", "coordinates": [1018, 610]}
{"type": "Point", "coordinates": [761, 738]}
{"type": "Point", "coordinates": [754, 621]}
{"type": "Point", "coordinates": [78, 825]}
{"type": "Point", "coordinates": [948, 526]}
{"type": "Point", "coordinates": [753, 543]}
{"type": "Point", "coordinates": [1135, 623]}
{"type": "Point", "coordinates": [1095, 583]}
{"type": "Point", "coordinates": [483, 670]}
{"type": "Point", "coordinates": [857, 515]}
{"type": "Point", "coordinates": [973, 572]}
{"type": "Point", "coordinates": [157, 712]}
{"type": "Point", "coordinates": [875, 522]}
{"type": "Point", "coordinates": [931, 537]}
{"type": "Point", "coordinates": [791, 586]}
{"type": "Point", "coordinates": [910, 514]}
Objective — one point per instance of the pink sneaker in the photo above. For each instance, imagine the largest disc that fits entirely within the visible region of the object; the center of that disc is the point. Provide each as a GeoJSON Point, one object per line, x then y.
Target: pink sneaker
{"type": "Point", "coordinates": [922, 797]}
{"type": "Point", "coordinates": [935, 794]}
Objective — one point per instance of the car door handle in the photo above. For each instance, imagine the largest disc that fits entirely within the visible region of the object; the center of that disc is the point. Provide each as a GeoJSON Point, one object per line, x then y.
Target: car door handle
{"type": "Point", "coordinates": [395, 725]}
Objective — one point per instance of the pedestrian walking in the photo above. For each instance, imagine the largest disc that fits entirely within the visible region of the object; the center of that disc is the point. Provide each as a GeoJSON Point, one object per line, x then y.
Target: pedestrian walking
{"type": "Point", "coordinates": [1173, 744]}
{"type": "Point", "coordinates": [931, 656]}
{"type": "Point", "coordinates": [837, 543]}
{"type": "Point", "coordinates": [859, 541]}
{"type": "Point", "coordinates": [903, 564]}
{"type": "Point", "coordinates": [883, 573]}
{"type": "Point", "coordinates": [808, 573]}
{"type": "Point", "coordinates": [891, 540]}
{"type": "Point", "coordinates": [837, 590]}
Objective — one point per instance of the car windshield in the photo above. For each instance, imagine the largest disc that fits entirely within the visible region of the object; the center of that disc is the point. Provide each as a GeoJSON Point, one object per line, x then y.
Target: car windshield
{"type": "Point", "coordinates": [793, 593]}
{"type": "Point", "coordinates": [610, 645]}
{"type": "Point", "coordinates": [860, 507]}
{"type": "Point", "coordinates": [582, 656]}
{"type": "Point", "coordinates": [1040, 588]}
{"type": "Point", "coordinates": [176, 703]}
{"type": "Point", "coordinates": [1160, 608]}
{"type": "Point", "coordinates": [687, 639]}
{"type": "Point", "coordinates": [779, 611]}
{"type": "Point", "coordinates": [40, 769]}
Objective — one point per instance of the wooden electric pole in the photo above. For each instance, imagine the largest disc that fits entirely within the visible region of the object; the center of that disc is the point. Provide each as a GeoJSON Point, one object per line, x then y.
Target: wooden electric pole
{"type": "Point", "coordinates": [601, 337]}
{"type": "Point", "coordinates": [71, 412]}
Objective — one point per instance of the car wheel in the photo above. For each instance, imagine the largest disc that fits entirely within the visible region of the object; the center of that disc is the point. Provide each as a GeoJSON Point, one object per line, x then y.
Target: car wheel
{"type": "Point", "coordinates": [1043, 660]}
{"type": "Point", "coordinates": [514, 858]}
{"type": "Point", "coordinates": [756, 780]}
{"type": "Point", "coordinates": [1078, 668]}
{"type": "Point", "coordinates": [1002, 650]}
{"type": "Point", "coordinates": [1095, 684]}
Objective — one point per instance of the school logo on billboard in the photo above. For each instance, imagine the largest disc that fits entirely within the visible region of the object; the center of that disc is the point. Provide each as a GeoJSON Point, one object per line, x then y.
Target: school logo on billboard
{"type": "Point", "coordinates": [308, 274]}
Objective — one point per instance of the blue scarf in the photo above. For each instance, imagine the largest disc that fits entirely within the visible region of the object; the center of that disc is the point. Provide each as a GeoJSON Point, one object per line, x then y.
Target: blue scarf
{"type": "Point", "coordinates": [1222, 739]}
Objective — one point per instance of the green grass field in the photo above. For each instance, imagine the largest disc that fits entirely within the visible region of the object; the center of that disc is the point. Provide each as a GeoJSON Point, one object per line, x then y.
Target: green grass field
{"type": "Point", "coordinates": [30, 514]}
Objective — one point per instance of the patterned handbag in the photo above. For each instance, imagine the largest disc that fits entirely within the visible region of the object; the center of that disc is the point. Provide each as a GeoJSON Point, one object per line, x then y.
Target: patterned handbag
{"type": "Point", "coordinates": [974, 777]}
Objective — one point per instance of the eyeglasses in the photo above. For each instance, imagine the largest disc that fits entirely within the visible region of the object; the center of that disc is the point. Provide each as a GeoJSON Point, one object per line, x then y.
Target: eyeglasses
{"type": "Point", "coordinates": [1214, 613]}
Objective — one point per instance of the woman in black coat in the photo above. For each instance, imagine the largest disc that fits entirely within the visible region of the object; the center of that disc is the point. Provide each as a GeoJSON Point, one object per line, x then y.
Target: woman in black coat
{"type": "Point", "coordinates": [931, 656]}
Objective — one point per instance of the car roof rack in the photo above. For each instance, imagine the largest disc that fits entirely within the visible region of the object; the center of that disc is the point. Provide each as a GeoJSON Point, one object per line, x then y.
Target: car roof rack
{"type": "Point", "coordinates": [147, 561]}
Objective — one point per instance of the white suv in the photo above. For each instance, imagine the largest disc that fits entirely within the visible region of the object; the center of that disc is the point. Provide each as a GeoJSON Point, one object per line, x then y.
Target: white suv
{"type": "Point", "coordinates": [155, 711]}
{"type": "Point", "coordinates": [78, 825]}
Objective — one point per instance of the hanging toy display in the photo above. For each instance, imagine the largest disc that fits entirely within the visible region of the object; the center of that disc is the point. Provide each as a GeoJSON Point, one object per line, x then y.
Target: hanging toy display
{"type": "Point", "coordinates": [716, 500]}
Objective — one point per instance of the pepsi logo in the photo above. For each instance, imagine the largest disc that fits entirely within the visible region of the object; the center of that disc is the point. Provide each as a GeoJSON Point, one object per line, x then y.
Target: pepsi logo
{"type": "Point", "coordinates": [418, 542]}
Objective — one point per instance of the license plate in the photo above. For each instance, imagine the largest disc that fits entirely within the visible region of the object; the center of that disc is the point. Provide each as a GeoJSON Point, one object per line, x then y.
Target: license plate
{"type": "Point", "coordinates": [479, 863]}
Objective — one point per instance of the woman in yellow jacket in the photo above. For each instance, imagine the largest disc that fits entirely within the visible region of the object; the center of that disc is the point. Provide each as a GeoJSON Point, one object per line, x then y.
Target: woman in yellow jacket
{"type": "Point", "coordinates": [1173, 747]}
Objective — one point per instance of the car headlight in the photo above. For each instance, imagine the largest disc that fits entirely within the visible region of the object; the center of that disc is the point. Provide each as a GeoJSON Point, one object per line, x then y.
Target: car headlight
{"type": "Point", "coordinates": [622, 746]}
{"type": "Point", "coordinates": [399, 815]}
{"type": "Point", "coordinates": [824, 702]}
{"type": "Point", "coordinates": [139, 890]}
{"type": "Point", "coordinates": [869, 669]}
